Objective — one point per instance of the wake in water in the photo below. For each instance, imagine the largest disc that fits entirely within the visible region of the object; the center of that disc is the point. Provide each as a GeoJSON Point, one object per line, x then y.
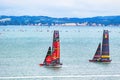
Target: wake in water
{"type": "Point", "coordinates": [71, 76]}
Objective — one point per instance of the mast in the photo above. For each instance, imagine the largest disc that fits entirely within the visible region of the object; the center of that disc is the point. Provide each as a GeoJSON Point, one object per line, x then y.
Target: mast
{"type": "Point", "coordinates": [98, 53]}
{"type": "Point", "coordinates": [47, 59]}
{"type": "Point", "coordinates": [105, 46]}
{"type": "Point", "coordinates": [56, 48]}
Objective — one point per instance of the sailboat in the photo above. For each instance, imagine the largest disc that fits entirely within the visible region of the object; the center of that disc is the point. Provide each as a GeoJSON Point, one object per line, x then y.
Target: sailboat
{"type": "Point", "coordinates": [52, 58]}
{"type": "Point", "coordinates": [102, 55]}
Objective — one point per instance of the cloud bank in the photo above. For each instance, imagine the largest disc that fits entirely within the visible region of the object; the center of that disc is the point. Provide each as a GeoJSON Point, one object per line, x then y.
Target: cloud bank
{"type": "Point", "coordinates": [60, 8]}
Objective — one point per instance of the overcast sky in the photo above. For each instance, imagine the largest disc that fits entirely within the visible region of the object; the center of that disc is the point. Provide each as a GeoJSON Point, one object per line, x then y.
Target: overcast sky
{"type": "Point", "coordinates": [60, 8]}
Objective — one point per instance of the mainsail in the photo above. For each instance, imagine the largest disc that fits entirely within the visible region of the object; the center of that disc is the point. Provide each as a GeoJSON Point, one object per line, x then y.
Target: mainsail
{"type": "Point", "coordinates": [105, 47]}
{"type": "Point", "coordinates": [56, 48]}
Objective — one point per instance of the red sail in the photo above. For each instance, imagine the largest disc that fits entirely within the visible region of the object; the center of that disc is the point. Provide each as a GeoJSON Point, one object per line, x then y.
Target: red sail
{"type": "Point", "coordinates": [56, 48]}
{"type": "Point", "coordinates": [47, 59]}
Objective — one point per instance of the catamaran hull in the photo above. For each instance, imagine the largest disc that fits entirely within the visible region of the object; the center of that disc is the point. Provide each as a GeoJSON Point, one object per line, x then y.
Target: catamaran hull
{"type": "Point", "coordinates": [104, 61]}
{"type": "Point", "coordinates": [52, 66]}
{"type": "Point", "coordinates": [93, 61]}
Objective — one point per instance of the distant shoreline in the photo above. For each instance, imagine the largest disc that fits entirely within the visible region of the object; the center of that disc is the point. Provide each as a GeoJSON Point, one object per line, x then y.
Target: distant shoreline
{"type": "Point", "coordinates": [63, 26]}
{"type": "Point", "coordinates": [50, 21]}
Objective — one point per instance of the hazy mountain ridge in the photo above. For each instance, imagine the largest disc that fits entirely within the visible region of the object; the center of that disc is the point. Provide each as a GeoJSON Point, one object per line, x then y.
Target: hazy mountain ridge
{"type": "Point", "coordinates": [51, 21]}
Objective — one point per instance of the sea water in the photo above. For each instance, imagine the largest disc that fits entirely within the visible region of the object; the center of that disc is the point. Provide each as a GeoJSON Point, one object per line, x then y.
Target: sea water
{"type": "Point", "coordinates": [23, 48]}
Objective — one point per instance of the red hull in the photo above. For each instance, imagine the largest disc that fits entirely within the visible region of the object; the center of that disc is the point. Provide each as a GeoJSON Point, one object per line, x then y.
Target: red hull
{"type": "Point", "coordinates": [41, 64]}
{"type": "Point", "coordinates": [57, 65]}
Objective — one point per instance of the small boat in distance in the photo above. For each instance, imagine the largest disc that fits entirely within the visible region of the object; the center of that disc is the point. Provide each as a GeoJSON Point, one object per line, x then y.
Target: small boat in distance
{"type": "Point", "coordinates": [52, 58]}
{"type": "Point", "coordinates": [103, 55]}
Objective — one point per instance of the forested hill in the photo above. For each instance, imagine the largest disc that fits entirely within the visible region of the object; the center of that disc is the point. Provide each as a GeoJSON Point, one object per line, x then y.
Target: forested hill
{"type": "Point", "coordinates": [51, 21]}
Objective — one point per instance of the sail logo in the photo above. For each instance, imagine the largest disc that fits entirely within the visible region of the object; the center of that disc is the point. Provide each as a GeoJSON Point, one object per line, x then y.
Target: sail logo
{"type": "Point", "coordinates": [54, 57]}
{"type": "Point", "coordinates": [106, 36]}
{"type": "Point", "coordinates": [56, 35]}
